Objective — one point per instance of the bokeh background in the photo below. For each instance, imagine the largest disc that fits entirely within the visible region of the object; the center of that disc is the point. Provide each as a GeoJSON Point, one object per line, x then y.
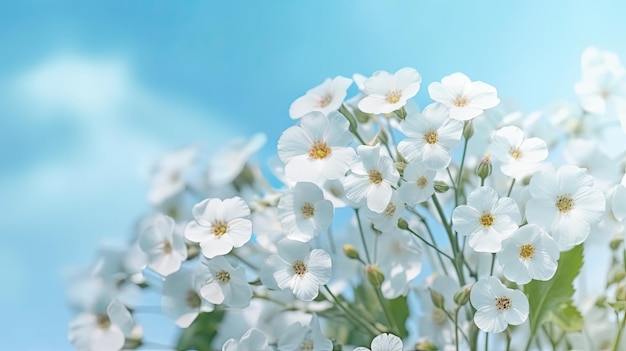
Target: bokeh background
{"type": "Point", "coordinates": [92, 93]}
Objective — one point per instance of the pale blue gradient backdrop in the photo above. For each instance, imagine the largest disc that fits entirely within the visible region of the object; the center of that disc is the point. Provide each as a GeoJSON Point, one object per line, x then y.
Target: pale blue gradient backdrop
{"type": "Point", "coordinates": [92, 93]}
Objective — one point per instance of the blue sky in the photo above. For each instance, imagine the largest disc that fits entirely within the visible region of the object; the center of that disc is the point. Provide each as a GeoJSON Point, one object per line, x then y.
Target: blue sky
{"type": "Point", "coordinates": [92, 93]}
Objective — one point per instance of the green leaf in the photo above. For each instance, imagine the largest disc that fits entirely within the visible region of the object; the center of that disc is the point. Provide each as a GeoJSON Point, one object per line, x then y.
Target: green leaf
{"type": "Point", "coordinates": [344, 111]}
{"type": "Point", "coordinates": [400, 311]}
{"type": "Point", "coordinates": [199, 335]}
{"type": "Point", "coordinates": [567, 317]}
{"type": "Point", "coordinates": [552, 300]}
{"type": "Point", "coordinates": [618, 306]}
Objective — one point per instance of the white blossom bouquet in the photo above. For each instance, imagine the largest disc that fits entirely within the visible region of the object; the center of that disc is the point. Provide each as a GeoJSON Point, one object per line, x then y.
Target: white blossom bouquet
{"type": "Point", "coordinates": [458, 226]}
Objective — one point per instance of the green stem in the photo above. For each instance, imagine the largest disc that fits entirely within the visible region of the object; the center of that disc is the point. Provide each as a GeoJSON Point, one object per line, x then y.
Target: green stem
{"type": "Point", "coordinates": [619, 331]}
{"type": "Point", "coordinates": [458, 264]}
{"type": "Point", "coordinates": [358, 219]}
{"type": "Point", "coordinates": [508, 340]}
{"type": "Point", "coordinates": [388, 315]}
{"type": "Point", "coordinates": [359, 319]}
{"type": "Point", "coordinates": [459, 175]}
{"type": "Point", "coordinates": [510, 188]}
{"type": "Point", "coordinates": [493, 262]}
{"type": "Point", "coordinates": [486, 341]}
{"type": "Point", "coordinates": [433, 246]}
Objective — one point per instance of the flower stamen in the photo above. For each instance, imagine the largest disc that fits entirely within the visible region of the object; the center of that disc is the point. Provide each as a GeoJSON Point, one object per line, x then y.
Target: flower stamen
{"type": "Point", "coordinates": [393, 96]}
{"type": "Point", "coordinates": [319, 150]}
{"type": "Point", "coordinates": [503, 303]}
{"type": "Point", "coordinates": [308, 210]}
{"type": "Point", "coordinates": [219, 228]}
{"type": "Point", "coordinates": [486, 220]}
{"type": "Point", "coordinates": [375, 176]}
{"type": "Point", "coordinates": [223, 276]}
{"type": "Point", "coordinates": [431, 137]}
{"type": "Point", "coordinates": [527, 251]}
{"type": "Point", "coordinates": [299, 268]}
{"type": "Point", "coordinates": [564, 203]}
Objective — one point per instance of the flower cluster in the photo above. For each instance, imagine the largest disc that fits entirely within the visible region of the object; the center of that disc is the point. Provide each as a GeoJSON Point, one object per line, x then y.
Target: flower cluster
{"type": "Point", "coordinates": [460, 226]}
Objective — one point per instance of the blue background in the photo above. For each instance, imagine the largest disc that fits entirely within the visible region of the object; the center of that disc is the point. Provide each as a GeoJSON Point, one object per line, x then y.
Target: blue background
{"type": "Point", "coordinates": [91, 93]}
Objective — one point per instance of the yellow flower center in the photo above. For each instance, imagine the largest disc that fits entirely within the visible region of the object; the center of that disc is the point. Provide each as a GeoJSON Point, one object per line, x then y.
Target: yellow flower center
{"type": "Point", "coordinates": [308, 210]}
{"type": "Point", "coordinates": [486, 220]}
{"type": "Point", "coordinates": [422, 182]}
{"type": "Point", "coordinates": [393, 96]}
{"type": "Point", "coordinates": [503, 303]}
{"type": "Point", "coordinates": [219, 228]}
{"type": "Point", "coordinates": [325, 100]}
{"type": "Point", "coordinates": [460, 101]}
{"type": "Point", "coordinates": [516, 153]}
{"type": "Point", "coordinates": [390, 210]}
{"type": "Point", "coordinates": [307, 345]}
{"type": "Point", "coordinates": [167, 247]}
{"type": "Point", "coordinates": [431, 137]}
{"type": "Point", "coordinates": [223, 276]}
{"type": "Point", "coordinates": [564, 203]}
{"type": "Point", "coordinates": [299, 268]}
{"type": "Point", "coordinates": [103, 321]}
{"type": "Point", "coordinates": [192, 299]}
{"type": "Point", "coordinates": [527, 251]}
{"type": "Point", "coordinates": [375, 176]}
{"type": "Point", "coordinates": [319, 150]}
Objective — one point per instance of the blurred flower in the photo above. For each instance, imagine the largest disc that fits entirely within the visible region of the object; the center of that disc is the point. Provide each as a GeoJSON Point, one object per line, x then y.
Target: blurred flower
{"type": "Point", "coordinates": [252, 340]}
{"type": "Point", "coordinates": [418, 183]}
{"type": "Point", "coordinates": [518, 157]}
{"type": "Point", "coordinates": [170, 176]}
{"type": "Point", "coordinates": [102, 331]}
{"type": "Point", "coordinates": [181, 300]}
{"type": "Point", "coordinates": [163, 245]}
{"type": "Point", "coordinates": [298, 337]}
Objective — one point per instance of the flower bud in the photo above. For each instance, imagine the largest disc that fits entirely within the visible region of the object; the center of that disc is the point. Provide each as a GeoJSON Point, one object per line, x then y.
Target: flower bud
{"type": "Point", "coordinates": [441, 187]}
{"type": "Point", "coordinates": [462, 296]}
{"type": "Point", "coordinates": [615, 243]}
{"type": "Point", "coordinates": [374, 275]}
{"type": "Point", "coordinates": [400, 166]}
{"type": "Point", "coordinates": [484, 167]}
{"type": "Point", "coordinates": [351, 251]}
{"type": "Point", "coordinates": [468, 130]}
{"type": "Point", "coordinates": [436, 298]}
{"type": "Point", "coordinates": [403, 224]}
{"type": "Point", "coordinates": [425, 345]}
{"type": "Point", "coordinates": [616, 274]}
{"type": "Point", "coordinates": [620, 293]}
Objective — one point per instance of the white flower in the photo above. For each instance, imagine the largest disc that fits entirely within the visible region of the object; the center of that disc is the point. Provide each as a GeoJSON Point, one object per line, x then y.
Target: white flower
{"type": "Point", "coordinates": [165, 247]}
{"type": "Point", "coordinates": [227, 162]}
{"type": "Point", "coordinates": [316, 150]}
{"type": "Point", "coordinates": [181, 300]}
{"type": "Point", "coordinates": [430, 137]}
{"type": "Point", "coordinates": [517, 156]}
{"type": "Point", "coordinates": [530, 253]}
{"type": "Point", "coordinates": [170, 176]}
{"type": "Point", "coordinates": [325, 98]}
{"type": "Point", "coordinates": [372, 179]}
{"type": "Point", "coordinates": [226, 284]}
{"type": "Point", "coordinates": [297, 268]}
{"type": "Point", "coordinates": [602, 90]}
{"type": "Point", "coordinates": [298, 337]}
{"type": "Point", "coordinates": [399, 257]}
{"type": "Point", "coordinates": [389, 92]}
{"type": "Point", "coordinates": [486, 219]}
{"type": "Point", "coordinates": [384, 342]}
{"type": "Point", "coordinates": [418, 183]}
{"type": "Point", "coordinates": [565, 204]}
{"type": "Point", "coordinates": [103, 330]}
{"type": "Point", "coordinates": [497, 306]}
{"type": "Point", "coordinates": [252, 340]}
{"type": "Point", "coordinates": [387, 221]}
{"type": "Point", "coordinates": [464, 98]}
{"type": "Point", "coordinates": [304, 212]}
{"type": "Point", "coordinates": [219, 225]}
